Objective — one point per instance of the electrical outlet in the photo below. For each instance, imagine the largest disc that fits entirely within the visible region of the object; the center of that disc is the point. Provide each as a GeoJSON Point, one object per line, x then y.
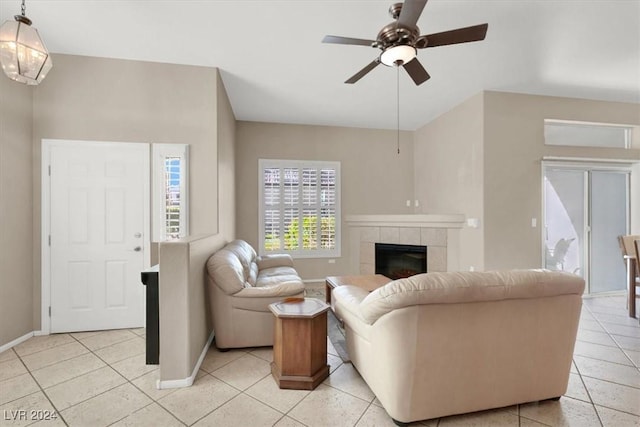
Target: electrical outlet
{"type": "Point", "coordinates": [416, 203]}
{"type": "Point", "coordinates": [534, 222]}
{"type": "Point", "coordinates": [332, 261]}
{"type": "Point", "coordinates": [408, 203]}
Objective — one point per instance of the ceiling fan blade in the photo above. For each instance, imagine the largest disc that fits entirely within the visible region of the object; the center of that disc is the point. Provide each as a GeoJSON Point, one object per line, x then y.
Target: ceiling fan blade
{"type": "Point", "coordinates": [410, 12]}
{"type": "Point", "coordinates": [360, 74]}
{"type": "Point", "coordinates": [347, 40]}
{"type": "Point", "coordinates": [416, 71]}
{"type": "Point", "coordinates": [461, 35]}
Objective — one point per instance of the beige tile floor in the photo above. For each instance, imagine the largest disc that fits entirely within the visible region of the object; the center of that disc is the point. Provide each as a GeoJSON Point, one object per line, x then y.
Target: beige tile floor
{"type": "Point", "coordinates": [100, 379]}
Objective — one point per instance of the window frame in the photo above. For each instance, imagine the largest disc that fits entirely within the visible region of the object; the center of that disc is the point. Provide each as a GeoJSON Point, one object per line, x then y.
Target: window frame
{"type": "Point", "coordinates": [160, 153]}
{"type": "Point", "coordinates": [625, 142]}
{"type": "Point", "coordinates": [299, 164]}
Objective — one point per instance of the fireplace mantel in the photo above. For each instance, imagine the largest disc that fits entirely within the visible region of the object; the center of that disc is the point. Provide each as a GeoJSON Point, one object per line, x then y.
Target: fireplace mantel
{"type": "Point", "coordinates": [407, 220]}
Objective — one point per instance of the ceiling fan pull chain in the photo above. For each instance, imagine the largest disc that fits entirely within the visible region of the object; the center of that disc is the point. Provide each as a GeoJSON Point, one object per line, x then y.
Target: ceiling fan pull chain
{"type": "Point", "coordinates": [398, 105]}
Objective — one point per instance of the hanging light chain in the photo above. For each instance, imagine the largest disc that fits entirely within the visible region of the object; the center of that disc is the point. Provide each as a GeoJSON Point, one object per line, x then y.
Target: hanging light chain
{"type": "Point", "coordinates": [24, 8]}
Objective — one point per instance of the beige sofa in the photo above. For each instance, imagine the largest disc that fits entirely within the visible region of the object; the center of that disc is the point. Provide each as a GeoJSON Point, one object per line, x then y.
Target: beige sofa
{"type": "Point", "coordinates": [241, 287]}
{"type": "Point", "coordinates": [438, 344]}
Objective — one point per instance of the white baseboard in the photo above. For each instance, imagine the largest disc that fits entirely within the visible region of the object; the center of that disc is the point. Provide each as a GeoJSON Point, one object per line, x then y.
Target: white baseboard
{"type": "Point", "coordinates": [40, 333]}
{"type": "Point", "coordinates": [15, 342]}
{"type": "Point", "coordinates": [186, 382]}
{"type": "Point", "coordinates": [313, 281]}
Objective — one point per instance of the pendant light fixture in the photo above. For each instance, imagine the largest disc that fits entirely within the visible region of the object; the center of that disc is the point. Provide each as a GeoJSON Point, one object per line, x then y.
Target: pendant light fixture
{"type": "Point", "coordinates": [23, 56]}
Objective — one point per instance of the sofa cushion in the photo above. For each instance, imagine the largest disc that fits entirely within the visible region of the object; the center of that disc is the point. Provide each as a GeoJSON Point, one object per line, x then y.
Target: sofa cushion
{"type": "Point", "coordinates": [276, 271]}
{"type": "Point", "coordinates": [275, 260]}
{"type": "Point", "coordinates": [225, 270]}
{"type": "Point", "coordinates": [463, 287]}
{"type": "Point", "coordinates": [285, 287]}
{"type": "Point", "coordinates": [268, 281]}
{"type": "Point", "coordinates": [253, 274]}
{"type": "Point", "coordinates": [245, 253]}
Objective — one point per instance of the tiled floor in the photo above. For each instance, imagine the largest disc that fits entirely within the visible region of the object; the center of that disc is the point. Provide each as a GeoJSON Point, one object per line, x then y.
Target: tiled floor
{"type": "Point", "coordinates": [99, 379]}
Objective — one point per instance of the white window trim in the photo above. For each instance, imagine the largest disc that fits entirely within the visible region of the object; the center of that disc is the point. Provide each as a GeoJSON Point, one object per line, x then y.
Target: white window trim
{"type": "Point", "coordinates": [300, 253]}
{"type": "Point", "coordinates": [159, 152]}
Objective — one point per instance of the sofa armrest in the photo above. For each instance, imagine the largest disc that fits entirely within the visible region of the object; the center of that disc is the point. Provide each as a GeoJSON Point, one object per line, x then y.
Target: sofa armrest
{"type": "Point", "coordinates": [275, 260]}
{"type": "Point", "coordinates": [345, 301]}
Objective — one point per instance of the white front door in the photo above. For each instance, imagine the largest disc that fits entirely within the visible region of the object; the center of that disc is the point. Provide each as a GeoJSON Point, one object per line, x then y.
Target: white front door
{"type": "Point", "coordinates": [98, 202]}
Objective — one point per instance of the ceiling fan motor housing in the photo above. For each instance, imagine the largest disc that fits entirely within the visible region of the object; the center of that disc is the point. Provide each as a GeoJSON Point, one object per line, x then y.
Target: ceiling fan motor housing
{"type": "Point", "coordinates": [395, 37]}
{"type": "Point", "coordinates": [395, 34]}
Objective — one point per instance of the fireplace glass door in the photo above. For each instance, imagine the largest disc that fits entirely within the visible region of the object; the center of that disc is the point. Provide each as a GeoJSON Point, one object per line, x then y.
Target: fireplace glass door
{"type": "Point", "coordinates": [399, 261]}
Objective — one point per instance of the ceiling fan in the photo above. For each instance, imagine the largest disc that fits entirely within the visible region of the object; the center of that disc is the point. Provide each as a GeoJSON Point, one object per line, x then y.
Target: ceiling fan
{"type": "Point", "coordinates": [400, 40]}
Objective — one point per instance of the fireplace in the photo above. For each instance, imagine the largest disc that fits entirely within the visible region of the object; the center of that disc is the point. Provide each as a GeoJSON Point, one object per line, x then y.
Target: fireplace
{"type": "Point", "coordinates": [398, 261]}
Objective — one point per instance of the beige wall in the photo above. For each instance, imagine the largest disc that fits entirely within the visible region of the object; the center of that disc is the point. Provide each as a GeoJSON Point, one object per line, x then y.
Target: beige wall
{"type": "Point", "coordinates": [513, 149]}
{"type": "Point", "coordinates": [16, 235]}
{"type": "Point", "coordinates": [484, 159]}
{"type": "Point", "coordinates": [375, 179]}
{"type": "Point", "coordinates": [184, 305]}
{"type": "Point", "coordinates": [449, 170]}
{"type": "Point", "coordinates": [85, 98]}
{"type": "Point", "coordinates": [226, 164]}
{"type": "Point", "coordinates": [185, 313]}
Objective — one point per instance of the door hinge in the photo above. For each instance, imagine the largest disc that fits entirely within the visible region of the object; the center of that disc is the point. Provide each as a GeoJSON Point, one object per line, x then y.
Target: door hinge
{"type": "Point", "coordinates": [49, 239]}
{"type": "Point", "coordinates": [49, 170]}
{"type": "Point", "coordinates": [49, 311]}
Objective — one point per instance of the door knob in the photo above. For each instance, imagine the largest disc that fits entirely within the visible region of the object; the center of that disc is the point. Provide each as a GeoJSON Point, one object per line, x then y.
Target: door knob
{"type": "Point", "coordinates": [137, 248]}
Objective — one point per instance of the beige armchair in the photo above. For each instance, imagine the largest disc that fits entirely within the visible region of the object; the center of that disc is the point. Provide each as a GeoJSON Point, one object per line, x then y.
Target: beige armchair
{"type": "Point", "coordinates": [439, 344]}
{"type": "Point", "coordinates": [241, 287]}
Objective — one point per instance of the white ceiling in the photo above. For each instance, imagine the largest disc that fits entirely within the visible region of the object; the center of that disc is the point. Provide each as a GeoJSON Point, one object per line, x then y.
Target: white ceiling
{"type": "Point", "coordinates": [276, 69]}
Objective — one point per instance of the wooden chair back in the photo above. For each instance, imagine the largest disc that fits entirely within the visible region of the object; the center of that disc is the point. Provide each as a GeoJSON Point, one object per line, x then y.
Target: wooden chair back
{"type": "Point", "coordinates": [628, 249]}
{"type": "Point", "coordinates": [627, 244]}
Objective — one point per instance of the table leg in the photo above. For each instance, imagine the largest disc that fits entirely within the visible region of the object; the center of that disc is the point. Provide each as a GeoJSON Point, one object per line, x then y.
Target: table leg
{"type": "Point", "coordinates": [631, 286]}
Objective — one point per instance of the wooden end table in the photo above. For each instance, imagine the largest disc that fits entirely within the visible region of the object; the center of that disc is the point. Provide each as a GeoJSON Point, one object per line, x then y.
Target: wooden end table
{"type": "Point", "coordinates": [300, 343]}
{"type": "Point", "coordinates": [368, 282]}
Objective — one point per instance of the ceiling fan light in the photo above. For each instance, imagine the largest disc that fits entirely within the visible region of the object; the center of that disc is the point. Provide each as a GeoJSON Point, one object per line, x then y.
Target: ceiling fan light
{"type": "Point", "coordinates": [398, 55]}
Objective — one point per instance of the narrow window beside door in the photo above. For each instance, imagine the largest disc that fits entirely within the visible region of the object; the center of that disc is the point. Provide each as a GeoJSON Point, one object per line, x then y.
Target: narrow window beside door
{"type": "Point", "coordinates": [170, 175]}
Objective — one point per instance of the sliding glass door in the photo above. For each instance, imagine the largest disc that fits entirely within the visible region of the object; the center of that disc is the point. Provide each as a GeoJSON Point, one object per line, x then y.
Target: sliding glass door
{"type": "Point", "coordinates": [609, 209]}
{"type": "Point", "coordinates": [586, 208]}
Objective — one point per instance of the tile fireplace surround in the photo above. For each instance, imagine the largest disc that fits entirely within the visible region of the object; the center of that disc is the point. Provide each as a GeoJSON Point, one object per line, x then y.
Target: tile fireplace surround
{"type": "Point", "coordinates": [439, 233]}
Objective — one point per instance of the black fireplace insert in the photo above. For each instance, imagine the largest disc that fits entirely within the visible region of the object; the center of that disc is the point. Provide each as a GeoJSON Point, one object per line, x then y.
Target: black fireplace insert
{"type": "Point", "coordinates": [399, 261]}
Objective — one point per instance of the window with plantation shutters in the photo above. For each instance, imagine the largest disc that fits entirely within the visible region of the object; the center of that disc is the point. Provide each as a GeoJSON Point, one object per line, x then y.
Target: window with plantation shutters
{"type": "Point", "coordinates": [300, 208]}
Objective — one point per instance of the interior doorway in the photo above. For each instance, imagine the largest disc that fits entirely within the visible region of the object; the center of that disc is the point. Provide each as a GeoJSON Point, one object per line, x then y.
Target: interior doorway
{"type": "Point", "coordinates": [586, 208]}
{"type": "Point", "coordinates": [95, 234]}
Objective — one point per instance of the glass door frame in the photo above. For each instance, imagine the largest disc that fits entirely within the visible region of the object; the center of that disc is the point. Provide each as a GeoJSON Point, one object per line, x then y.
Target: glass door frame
{"type": "Point", "coordinates": [586, 168]}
